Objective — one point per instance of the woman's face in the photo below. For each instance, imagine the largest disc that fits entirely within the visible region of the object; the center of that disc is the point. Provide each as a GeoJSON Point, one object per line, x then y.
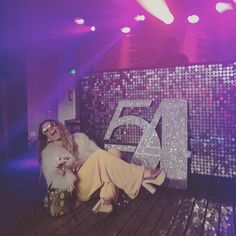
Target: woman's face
{"type": "Point", "coordinates": [51, 131]}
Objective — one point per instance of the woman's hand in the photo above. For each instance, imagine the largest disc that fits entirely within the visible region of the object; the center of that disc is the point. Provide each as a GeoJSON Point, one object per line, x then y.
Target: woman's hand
{"type": "Point", "coordinates": [61, 167]}
{"type": "Point", "coordinates": [67, 163]}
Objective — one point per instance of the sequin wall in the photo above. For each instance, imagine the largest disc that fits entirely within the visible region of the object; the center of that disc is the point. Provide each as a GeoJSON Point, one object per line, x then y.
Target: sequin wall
{"type": "Point", "coordinates": [209, 89]}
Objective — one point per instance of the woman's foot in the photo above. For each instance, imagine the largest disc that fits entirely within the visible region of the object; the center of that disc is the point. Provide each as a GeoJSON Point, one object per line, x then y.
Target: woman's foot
{"type": "Point", "coordinates": [151, 173]}
{"type": "Point", "coordinates": [155, 177]}
{"type": "Point", "coordinates": [103, 206]}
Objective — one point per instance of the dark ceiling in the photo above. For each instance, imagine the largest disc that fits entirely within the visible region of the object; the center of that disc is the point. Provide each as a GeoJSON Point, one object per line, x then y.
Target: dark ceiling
{"type": "Point", "coordinates": [48, 28]}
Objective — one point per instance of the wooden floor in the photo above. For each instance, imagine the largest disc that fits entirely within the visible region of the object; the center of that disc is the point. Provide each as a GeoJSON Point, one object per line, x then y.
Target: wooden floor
{"type": "Point", "coordinates": [168, 212]}
{"type": "Point", "coordinates": [200, 210]}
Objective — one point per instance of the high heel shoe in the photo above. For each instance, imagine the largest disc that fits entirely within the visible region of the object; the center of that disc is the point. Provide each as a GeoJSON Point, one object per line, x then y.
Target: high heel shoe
{"type": "Point", "coordinates": [102, 207]}
{"type": "Point", "coordinates": [159, 180]}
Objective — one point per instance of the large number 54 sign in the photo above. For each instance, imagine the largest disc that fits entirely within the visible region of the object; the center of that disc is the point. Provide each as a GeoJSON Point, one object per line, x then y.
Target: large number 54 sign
{"type": "Point", "coordinates": [171, 150]}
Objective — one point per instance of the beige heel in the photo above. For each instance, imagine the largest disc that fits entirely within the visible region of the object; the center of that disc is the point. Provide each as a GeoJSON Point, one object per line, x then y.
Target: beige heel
{"type": "Point", "coordinates": [102, 208]}
{"type": "Point", "coordinates": [149, 187]}
{"type": "Point", "coordinates": [159, 180]}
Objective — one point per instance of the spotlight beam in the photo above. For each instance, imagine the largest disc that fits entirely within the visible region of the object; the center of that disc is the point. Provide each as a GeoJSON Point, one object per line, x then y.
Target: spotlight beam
{"type": "Point", "coordinates": [159, 9]}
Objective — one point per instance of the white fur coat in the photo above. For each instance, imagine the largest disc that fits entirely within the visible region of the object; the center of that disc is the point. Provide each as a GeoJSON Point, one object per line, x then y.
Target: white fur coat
{"type": "Point", "coordinates": [53, 155]}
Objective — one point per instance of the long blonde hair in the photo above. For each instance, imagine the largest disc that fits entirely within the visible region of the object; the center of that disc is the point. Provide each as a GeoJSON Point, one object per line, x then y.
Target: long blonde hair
{"type": "Point", "coordinates": [67, 139]}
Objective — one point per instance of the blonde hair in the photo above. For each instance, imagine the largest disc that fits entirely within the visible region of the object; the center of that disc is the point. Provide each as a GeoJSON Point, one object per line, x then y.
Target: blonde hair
{"type": "Point", "coordinates": [67, 139]}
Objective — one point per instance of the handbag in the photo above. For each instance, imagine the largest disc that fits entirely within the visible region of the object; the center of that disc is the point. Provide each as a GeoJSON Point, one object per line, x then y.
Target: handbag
{"type": "Point", "coordinates": [60, 202]}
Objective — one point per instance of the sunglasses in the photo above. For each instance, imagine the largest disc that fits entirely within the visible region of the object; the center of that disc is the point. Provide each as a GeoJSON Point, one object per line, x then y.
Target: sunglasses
{"type": "Point", "coordinates": [46, 129]}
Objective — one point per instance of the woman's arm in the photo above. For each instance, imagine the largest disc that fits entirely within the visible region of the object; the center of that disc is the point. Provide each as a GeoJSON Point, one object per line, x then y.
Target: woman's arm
{"type": "Point", "coordinates": [86, 146]}
{"type": "Point", "coordinates": [57, 165]}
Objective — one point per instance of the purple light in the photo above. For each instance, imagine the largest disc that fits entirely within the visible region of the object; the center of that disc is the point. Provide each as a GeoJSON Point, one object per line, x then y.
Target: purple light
{"type": "Point", "coordinates": [139, 18]}
{"type": "Point", "coordinates": [193, 19]}
{"type": "Point", "coordinates": [223, 6]}
{"type": "Point", "coordinates": [23, 164]}
{"type": "Point", "coordinates": [125, 30]}
{"type": "Point", "coordinates": [79, 21]}
{"type": "Point", "coordinates": [93, 28]}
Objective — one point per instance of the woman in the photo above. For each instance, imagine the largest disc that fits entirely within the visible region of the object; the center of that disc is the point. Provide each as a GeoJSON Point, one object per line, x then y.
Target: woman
{"type": "Point", "coordinates": [74, 161]}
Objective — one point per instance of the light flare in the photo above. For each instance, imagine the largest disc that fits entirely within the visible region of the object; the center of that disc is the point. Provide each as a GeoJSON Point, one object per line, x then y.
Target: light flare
{"type": "Point", "coordinates": [125, 30]}
{"type": "Point", "coordinates": [159, 9]}
{"type": "Point", "coordinates": [223, 6]}
{"type": "Point", "coordinates": [93, 28]}
{"type": "Point", "coordinates": [79, 21]}
{"type": "Point", "coordinates": [139, 18]}
{"type": "Point", "coordinates": [193, 19]}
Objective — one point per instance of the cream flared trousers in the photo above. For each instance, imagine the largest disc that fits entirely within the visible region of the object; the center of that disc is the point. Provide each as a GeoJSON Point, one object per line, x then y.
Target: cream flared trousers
{"type": "Point", "coordinates": [103, 170]}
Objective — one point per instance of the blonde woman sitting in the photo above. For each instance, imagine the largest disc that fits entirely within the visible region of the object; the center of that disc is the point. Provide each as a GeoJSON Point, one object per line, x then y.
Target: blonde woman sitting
{"type": "Point", "coordinates": [73, 161]}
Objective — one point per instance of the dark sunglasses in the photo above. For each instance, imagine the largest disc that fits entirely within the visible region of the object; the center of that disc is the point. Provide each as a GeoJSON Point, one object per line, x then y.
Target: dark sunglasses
{"type": "Point", "coordinates": [45, 130]}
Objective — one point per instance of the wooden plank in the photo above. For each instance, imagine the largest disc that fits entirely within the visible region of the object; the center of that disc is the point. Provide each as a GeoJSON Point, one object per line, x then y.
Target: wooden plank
{"type": "Point", "coordinates": [68, 225]}
{"type": "Point", "coordinates": [211, 222]}
{"type": "Point", "coordinates": [102, 223]}
{"type": "Point", "coordinates": [122, 219]}
{"type": "Point", "coordinates": [90, 222]}
{"type": "Point", "coordinates": [168, 216]}
{"type": "Point", "coordinates": [39, 222]}
{"type": "Point", "coordinates": [227, 216]}
{"type": "Point", "coordinates": [183, 214]}
{"type": "Point", "coordinates": [160, 214]}
{"type": "Point", "coordinates": [142, 213]}
{"type": "Point", "coordinates": [155, 214]}
{"type": "Point", "coordinates": [196, 220]}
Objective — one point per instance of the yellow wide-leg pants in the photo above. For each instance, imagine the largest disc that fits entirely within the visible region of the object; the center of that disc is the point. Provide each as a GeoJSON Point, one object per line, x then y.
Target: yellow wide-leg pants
{"type": "Point", "coordinates": [103, 170]}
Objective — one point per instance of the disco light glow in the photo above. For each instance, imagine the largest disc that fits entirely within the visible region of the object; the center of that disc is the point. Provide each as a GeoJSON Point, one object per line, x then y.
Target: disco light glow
{"type": "Point", "coordinates": [125, 30]}
{"type": "Point", "coordinates": [223, 6]}
{"type": "Point", "coordinates": [93, 28]}
{"type": "Point", "coordinates": [73, 71]}
{"type": "Point", "coordinates": [139, 18]}
{"type": "Point", "coordinates": [159, 9]}
{"type": "Point", "coordinates": [193, 19]}
{"type": "Point", "coordinates": [79, 21]}
{"type": "Point", "coordinates": [23, 164]}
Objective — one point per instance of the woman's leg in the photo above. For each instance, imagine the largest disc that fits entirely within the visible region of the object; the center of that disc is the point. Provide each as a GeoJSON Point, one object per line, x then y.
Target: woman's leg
{"type": "Point", "coordinates": [109, 191]}
{"type": "Point", "coordinates": [102, 167]}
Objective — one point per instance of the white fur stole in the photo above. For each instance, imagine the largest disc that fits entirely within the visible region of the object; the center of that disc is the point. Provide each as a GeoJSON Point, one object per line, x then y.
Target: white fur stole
{"type": "Point", "coordinates": [86, 146]}
{"type": "Point", "coordinates": [52, 156]}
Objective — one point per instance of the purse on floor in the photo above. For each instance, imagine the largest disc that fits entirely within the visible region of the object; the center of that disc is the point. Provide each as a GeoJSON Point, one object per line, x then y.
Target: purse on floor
{"type": "Point", "coordinates": [60, 202]}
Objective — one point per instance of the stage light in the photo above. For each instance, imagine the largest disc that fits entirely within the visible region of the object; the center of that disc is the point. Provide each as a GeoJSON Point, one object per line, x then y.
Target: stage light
{"type": "Point", "coordinates": [193, 19]}
{"type": "Point", "coordinates": [125, 30]}
{"type": "Point", "coordinates": [169, 19]}
{"type": "Point", "coordinates": [73, 71]}
{"type": "Point", "coordinates": [139, 18]}
{"type": "Point", "coordinates": [79, 21]}
{"type": "Point", "coordinates": [93, 28]}
{"type": "Point", "coordinates": [159, 9]}
{"type": "Point", "coordinates": [223, 6]}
